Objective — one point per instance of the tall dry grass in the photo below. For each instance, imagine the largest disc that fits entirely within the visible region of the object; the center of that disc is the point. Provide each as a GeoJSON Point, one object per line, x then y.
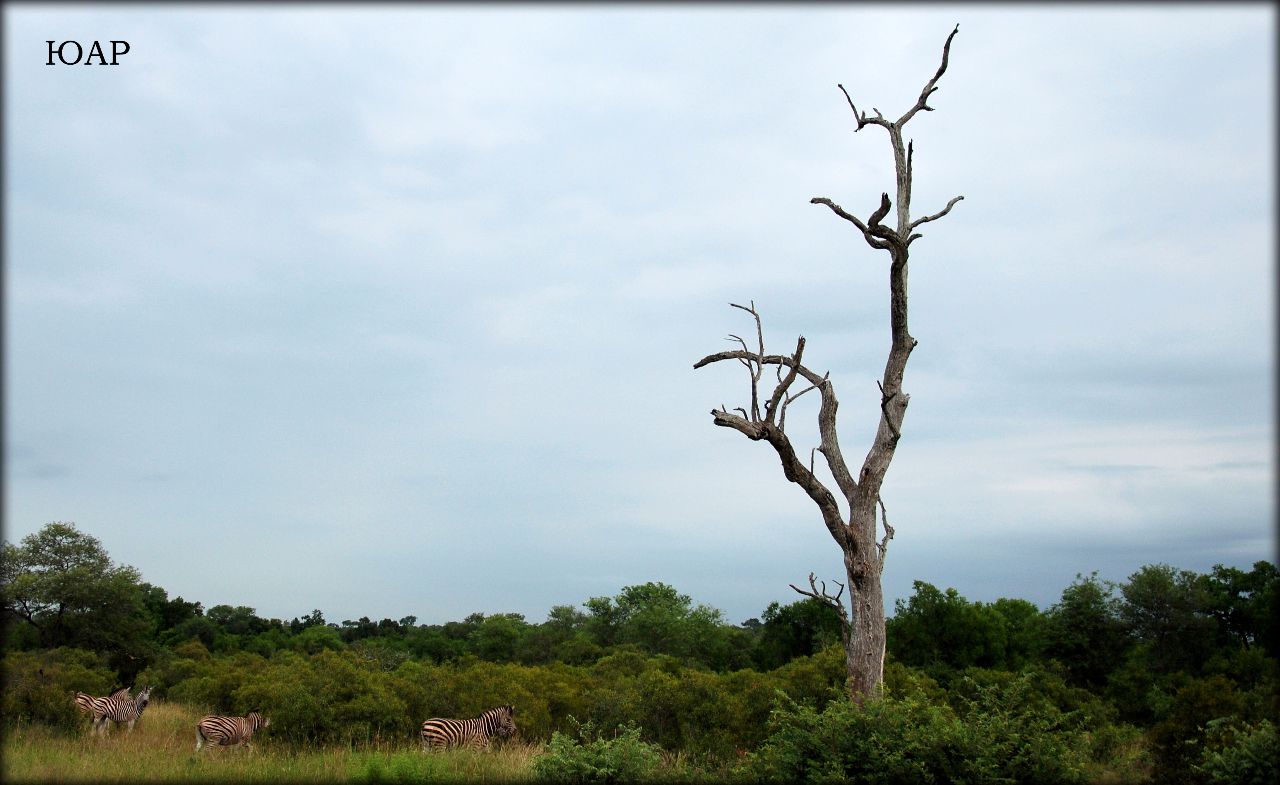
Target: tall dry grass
{"type": "Point", "coordinates": [161, 748]}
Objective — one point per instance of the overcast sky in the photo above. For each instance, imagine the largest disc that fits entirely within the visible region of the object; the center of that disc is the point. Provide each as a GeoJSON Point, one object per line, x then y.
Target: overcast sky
{"type": "Point", "coordinates": [394, 310]}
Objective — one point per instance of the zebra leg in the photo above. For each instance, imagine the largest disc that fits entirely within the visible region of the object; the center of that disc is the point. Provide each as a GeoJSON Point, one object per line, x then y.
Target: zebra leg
{"type": "Point", "coordinates": [199, 739]}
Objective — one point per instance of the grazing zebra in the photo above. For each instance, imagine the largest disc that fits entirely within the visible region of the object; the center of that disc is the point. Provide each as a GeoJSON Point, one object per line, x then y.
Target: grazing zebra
{"type": "Point", "coordinates": [117, 707]}
{"type": "Point", "coordinates": [439, 733]}
{"type": "Point", "coordinates": [229, 731]}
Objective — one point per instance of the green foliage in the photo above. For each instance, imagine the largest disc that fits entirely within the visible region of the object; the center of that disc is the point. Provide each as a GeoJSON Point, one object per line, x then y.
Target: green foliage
{"type": "Point", "coordinates": [1165, 610]}
{"type": "Point", "coordinates": [41, 686]}
{"type": "Point", "coordinates": [942, 631]}
{"type": "Point", "coordinates": [656, 618]}
{"type": "Point", "coordinates": [796, 630]}
{"type": "Point", "coordinates": [1245, 604]}
{"type": "Point", "coordinates": [591, 757]}
{"type": "Point", "coordinates": [975, 692]}
{"type": "Point", "coordinates": [997, 733]}
{"type": "Point", "coordinates": [1240, 756]}
{"type": "Point", "coordinates": [1176, 739]}
{"type": "Point", "coordinates": [1085, 632]}
{"type": "Point", "coordinates": [61, 585]}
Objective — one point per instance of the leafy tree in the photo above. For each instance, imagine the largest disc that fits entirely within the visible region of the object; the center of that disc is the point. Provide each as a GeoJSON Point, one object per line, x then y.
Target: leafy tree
{"type": "Point", "coordinates": [360, 629]}
{"type": "Point", "coordinates": [546, 642]}
{"type": "Point", "coordinates": [1245, 604]}
{"type": "Point", "coordinates": [167, 613]}
{"type": "Point", "coordinates": [1024, 632]}
{"type": "Point", "coordinates": [1165, 610]}
{"type": "Point", "coordinates": [795, 630]}
{"type": "Point", "coordinates": [61, 583]}
{"type": "Point", "coordinates": [312, 619]}
{"type": "Point", "coordinates": [940, 630]}
{"type": "Point", "coordinates": [430, 642]}
{"type": "Point", "coordinates": [658, 619]}
{"type": "Point", "coordinates": [199, 628]}
{"type": "Point", "coordinates": [1085, 632]}
{"type": "Point", "coordinates": [498, 637]}
{"type": "Point", "coordinates": [316, 638]}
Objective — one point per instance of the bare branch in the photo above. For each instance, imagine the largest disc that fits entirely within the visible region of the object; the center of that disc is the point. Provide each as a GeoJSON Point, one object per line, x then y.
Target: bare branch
{"type": "Point", "coordinates": [936, 215]}
{"type": "Point", "coordinates": [821, 594]}
{"type": "Point", "coordinates": [867, 234]}
{"type": "Point", "coordinates": [931, 85]}
{"type": "Point", "coordinates": [768, 359]}
{"type": "Point", "coordinates": [881, 211]}
{"type": "Point", "coordinates": [782, 417]}
{"type": "Point", "coordinates": [781, 389]}
{"type": "Point", "coordinates": [888, 532]}
{"type": "Point", "coordinates": [723, 418]}
{"type": "Point", "coordinates": [753, 427]}
{"type": "Point", "coordinates": [753, 363]}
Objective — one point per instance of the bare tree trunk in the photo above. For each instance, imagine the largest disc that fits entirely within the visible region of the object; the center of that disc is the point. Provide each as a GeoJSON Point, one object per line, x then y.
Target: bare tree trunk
{"type": "Point", "coordinates": [862, 623]}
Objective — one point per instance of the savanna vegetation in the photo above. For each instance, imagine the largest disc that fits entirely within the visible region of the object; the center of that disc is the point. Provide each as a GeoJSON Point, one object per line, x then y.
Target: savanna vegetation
{"type": "Point", "coordinates": [1168, 677]}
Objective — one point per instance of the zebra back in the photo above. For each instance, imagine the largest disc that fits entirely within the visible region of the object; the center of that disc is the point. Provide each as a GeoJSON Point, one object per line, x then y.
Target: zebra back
{"type": "Point", "coordinates": [497, 722]}
{"type": "Point", "coordinates": [225, 731]}
{"type": "Point", "coordinates": [84, 701]}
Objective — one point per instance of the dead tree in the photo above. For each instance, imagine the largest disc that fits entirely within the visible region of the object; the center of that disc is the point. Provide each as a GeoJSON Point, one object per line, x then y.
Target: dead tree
{"type": "Point", "coordinates": [854, 530]}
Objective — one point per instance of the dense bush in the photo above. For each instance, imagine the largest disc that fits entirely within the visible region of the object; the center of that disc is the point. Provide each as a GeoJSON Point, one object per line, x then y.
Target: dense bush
{"type": "Point", "coordinates": [1240, 756]}
{"type": "Point", "coordinates": [588, 756]}
{"type": "Point", "coordinates": [1002, 732]}
{"type": "Point", "coordinates": [41, 686]}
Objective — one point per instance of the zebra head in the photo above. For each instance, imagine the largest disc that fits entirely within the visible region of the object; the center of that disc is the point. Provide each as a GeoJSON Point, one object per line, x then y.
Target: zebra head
{"type": "Point", "coordinates": [143, 698]}
{"type": "Point", "coordinates": [506, 721]}
{"type": "Point", "coordinates": [256, 720]}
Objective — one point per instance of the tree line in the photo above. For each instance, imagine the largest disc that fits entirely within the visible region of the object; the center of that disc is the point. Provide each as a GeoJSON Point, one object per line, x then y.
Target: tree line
{"type": "Point", "coordinates": [1164, 668]}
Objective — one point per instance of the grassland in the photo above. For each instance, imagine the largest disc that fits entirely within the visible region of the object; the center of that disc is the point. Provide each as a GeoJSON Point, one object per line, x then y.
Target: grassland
{"type": "Point", "coordinates": [162, 749]}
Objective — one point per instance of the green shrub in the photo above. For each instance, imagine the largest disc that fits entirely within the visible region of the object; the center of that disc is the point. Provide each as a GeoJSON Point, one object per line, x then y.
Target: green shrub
{"type": "Point", "coordinates": [1015, 732]}
{"type": "Point", "coordinates": [413, 767]}
{"type": "Point", "coordinates": [592, 758]}
{"type": "Point", "coordinates": [1249, 756]}
{"type": "Point", "coordinates": [40, 686]}
{"type": "Point", "coordinates": [998, 733]}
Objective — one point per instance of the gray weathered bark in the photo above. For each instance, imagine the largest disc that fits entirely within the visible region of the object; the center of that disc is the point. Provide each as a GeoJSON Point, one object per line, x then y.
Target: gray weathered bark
{"type": "Point", "coordinates": [863, 622]}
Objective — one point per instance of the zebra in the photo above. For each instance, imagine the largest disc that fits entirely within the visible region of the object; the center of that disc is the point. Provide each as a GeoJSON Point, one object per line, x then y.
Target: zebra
{"type": "Point", "coordinates": [440, 733]}
{"type": "Point", "coordinates": [229, 731]}
{"type": "Point", "coordinates": [84, 701]}
{"type": "Point", "coordinates": [117, 707]}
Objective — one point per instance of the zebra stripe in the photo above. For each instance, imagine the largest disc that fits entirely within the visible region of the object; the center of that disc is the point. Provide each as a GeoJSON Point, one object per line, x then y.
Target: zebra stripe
{"type": "Point", "coordinates": [117, 707]}
{"type": "Point", "coordinates": [84, 701]}
{"type": "Point", "coordinates": [439, 733]}
{"type": "Point", "coordinates": [229, 731]}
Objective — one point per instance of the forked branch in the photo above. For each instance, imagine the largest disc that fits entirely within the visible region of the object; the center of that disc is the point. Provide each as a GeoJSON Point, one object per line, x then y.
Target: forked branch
{"type": "Point", "coordinates": [932, 85]}
{"type": "Point", "coordinates": [820, 594]}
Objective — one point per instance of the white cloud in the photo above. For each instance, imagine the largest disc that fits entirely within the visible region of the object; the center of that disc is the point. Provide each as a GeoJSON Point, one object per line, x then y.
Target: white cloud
{"type": "Point", "coordinates": [424, 287]}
